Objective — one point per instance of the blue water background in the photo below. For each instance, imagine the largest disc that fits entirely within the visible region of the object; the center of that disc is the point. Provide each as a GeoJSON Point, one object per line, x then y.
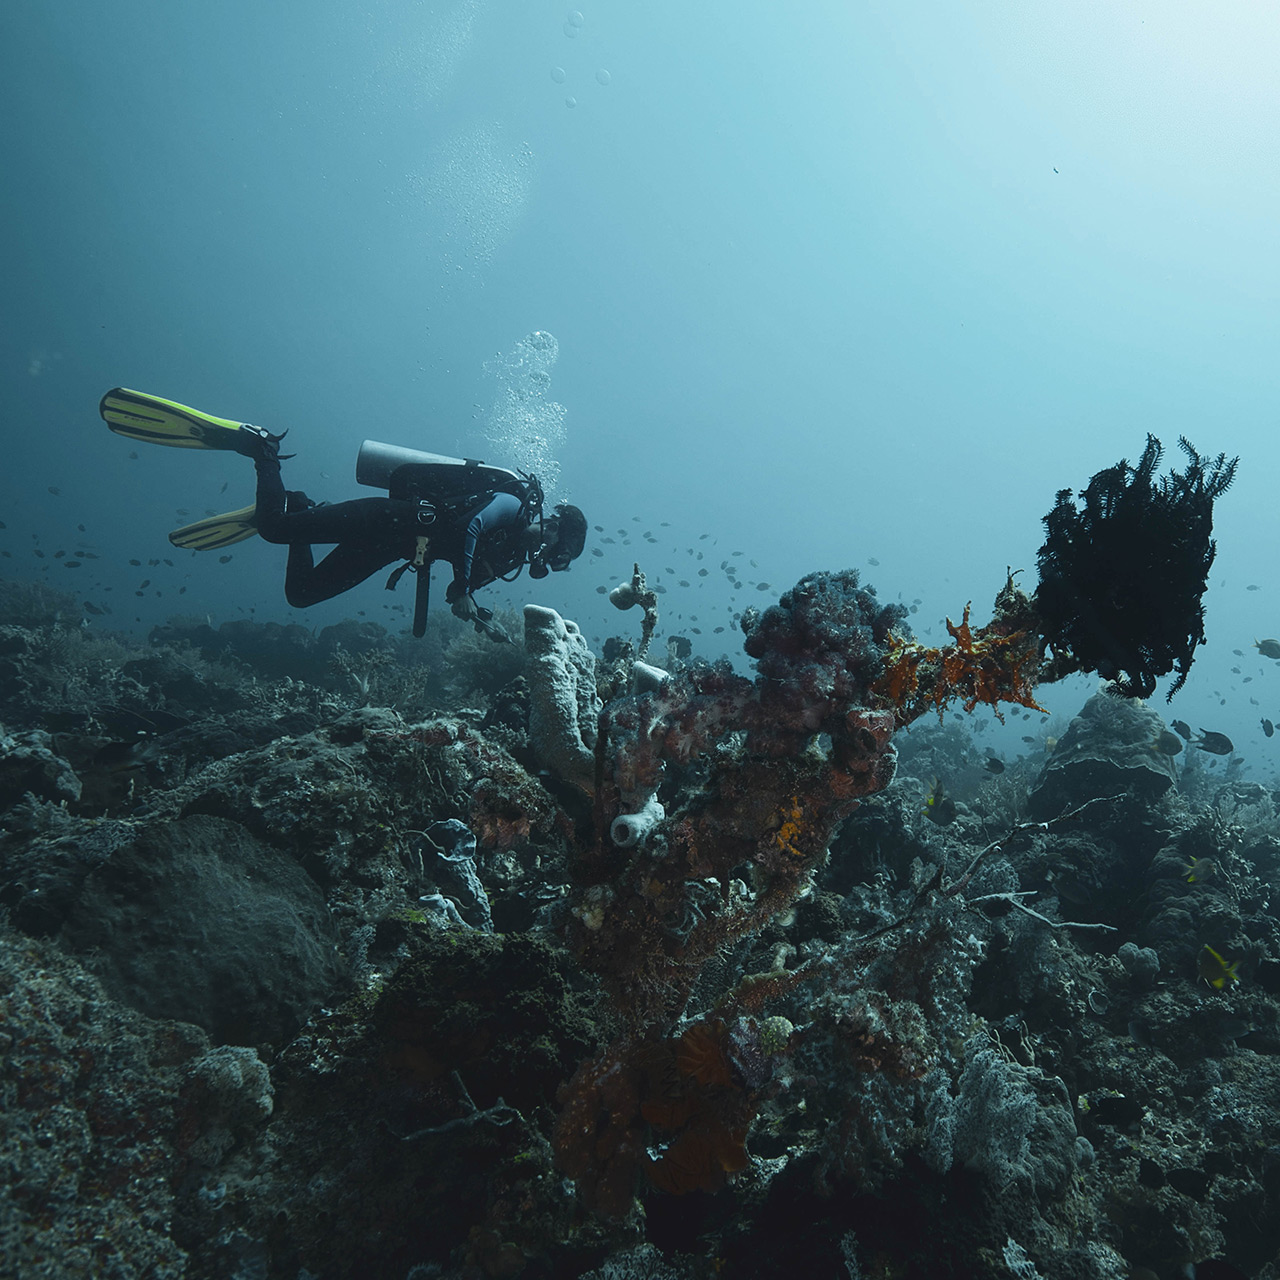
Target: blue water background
{"type": "Point", "coordinates": [831, 283]}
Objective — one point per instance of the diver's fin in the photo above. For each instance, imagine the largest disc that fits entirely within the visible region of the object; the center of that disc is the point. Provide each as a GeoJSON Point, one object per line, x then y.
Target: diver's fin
{"type": "Point", "coordinates": [217, 531]}
{"type": "Point", "coordinates": [155, 420]}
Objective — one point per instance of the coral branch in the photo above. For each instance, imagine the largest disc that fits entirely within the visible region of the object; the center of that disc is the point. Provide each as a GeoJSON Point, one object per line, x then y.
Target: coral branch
{"type": "Point", "coordinates": [780, 762]}
{"type": "Point", "coordinates": [998, 663]}
{"type": "Point", "coordinates": [783, 761]}
{"type": "Point", "coordinates": [627, 594]}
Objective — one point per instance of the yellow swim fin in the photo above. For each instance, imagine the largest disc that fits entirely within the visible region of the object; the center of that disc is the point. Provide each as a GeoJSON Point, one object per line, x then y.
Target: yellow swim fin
{"type": "Point", "coordinates": [155, 420]}
{"type": "Point", "coordinates": [217, 531]}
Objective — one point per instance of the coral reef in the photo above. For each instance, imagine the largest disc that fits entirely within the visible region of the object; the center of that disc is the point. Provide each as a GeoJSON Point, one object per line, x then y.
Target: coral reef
{"type": "Point", "coordinates": [93, 1119]}
{"type": "Point", "coordinates": [1110, 748]}
{"type": "Point", "coordinates": [766, 807]}
{"type": "Point", "coordinates": [197, 920]}
{"type": "Point", "coordinates": [500, 981]}
{"type": "Point", "coordinates": [637, 592]}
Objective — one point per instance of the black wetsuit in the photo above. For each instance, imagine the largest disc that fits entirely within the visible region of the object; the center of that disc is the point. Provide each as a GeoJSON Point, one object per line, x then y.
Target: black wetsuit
{"type": "Point", "coordinates": [372, 533]}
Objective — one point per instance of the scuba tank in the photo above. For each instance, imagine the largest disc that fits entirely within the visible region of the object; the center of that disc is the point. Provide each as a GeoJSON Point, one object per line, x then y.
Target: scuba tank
{"type": "Point", "coordinates": [413, 473]}
{"type": "Point", "coordinates": [439, 485]}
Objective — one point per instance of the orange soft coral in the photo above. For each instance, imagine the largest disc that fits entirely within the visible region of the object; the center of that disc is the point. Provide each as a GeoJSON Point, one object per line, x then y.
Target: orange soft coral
{"type": "Point", "coordinates": [992, 665]}
{"type": "Point", "coordinates": [792, 828]}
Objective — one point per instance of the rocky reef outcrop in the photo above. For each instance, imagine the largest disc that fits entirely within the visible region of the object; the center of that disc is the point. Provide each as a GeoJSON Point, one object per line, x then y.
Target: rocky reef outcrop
{"type": "Point", "coordinates": [343, 973]}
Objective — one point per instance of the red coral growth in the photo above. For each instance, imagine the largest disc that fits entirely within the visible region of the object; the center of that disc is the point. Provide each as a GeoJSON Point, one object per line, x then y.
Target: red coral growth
{"type": "Point", "coordinates": [700, 1054]}
{"type": "Point", "coordinates": [782, 761]}
{"type": "Point", "coordinates": [992, 665]}
{"type": "Point", "coordinates": [655, 922]}
{"type": "Point", "coordinates": [699, 1108]}
{"type": "Point", "coordinates": [599, 1135]}
{"type": "Point", "coordinates": [679, 1108]}
{"type": "Point", "coordinates": [701, 1158]}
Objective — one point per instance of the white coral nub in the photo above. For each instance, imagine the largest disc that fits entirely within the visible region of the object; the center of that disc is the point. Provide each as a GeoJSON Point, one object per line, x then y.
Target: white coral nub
{"type": "Point", "coordinates": [629, 829]}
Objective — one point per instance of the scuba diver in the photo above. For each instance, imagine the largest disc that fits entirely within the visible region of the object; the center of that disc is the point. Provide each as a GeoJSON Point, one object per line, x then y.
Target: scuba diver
{"type": "Point", "coordinates": [487, 522]}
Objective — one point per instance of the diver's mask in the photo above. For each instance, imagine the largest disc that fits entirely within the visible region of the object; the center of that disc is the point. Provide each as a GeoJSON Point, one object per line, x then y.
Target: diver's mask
{"type": "Point", "coordinates": [545, 560]}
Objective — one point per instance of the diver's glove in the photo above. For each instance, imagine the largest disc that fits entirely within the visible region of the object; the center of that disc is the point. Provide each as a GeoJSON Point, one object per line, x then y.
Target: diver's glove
{"type": "Point", "coordinates": [465, 607]}
{"type": "Point", "coordinates": [295, 500]}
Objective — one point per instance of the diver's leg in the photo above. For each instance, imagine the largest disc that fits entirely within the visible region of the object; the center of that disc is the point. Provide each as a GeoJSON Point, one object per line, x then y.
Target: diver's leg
{"type": "Point", "coordinates": [298, 575]}
{"type": "Point", "coordinates": [273, 505]}
{"type": "Point", "coordinates": [362, 520]}
{"type": "Point", "coordinates": [270, 501]}
{"type": "Point", "coordinates": [371, 533]}
{"type": "Point", "coordinates": [344, 567]}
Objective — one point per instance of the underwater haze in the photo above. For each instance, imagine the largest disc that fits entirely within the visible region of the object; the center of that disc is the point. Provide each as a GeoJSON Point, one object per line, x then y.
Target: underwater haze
{"type": "Point", "coordinates": [840, 928]}
{"type": "Point", "coordinates": [827, 284]}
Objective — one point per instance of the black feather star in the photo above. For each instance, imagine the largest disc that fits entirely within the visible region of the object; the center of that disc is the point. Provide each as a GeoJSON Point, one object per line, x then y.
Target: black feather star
{"type": "Point", "coordinates": [1122, 575]}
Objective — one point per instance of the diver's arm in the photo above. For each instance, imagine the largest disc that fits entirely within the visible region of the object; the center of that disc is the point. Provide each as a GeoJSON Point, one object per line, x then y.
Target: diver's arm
{"type": "Point", "coordinates": [501, 510]}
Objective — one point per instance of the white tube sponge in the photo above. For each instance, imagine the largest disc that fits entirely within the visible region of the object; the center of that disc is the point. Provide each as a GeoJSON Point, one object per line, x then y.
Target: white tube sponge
{"type": "Point", "coordinates": [561, 671]}
{"type": "Point", "coordinates": [647, 679]}
{"type": "Point", "coordinates": [628, 829]}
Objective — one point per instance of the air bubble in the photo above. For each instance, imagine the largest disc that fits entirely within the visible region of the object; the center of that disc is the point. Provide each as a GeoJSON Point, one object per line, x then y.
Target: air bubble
{"type": "Point", "coordinates": [603, 76]}
{"type": "Point", "coordinates": [558, 75]}
{"type": "Point", "coordinates": [476, 188]}
{"type": "Point", "coordinates": [524, 426]}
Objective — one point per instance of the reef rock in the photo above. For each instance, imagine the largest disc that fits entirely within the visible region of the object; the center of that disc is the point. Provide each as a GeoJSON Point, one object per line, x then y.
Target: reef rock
{"type": "Point", "coordinates": [28, 766]}
{"type": "Point", "coordinates": [1108, 749]}
{"type": "Point", "coordinates": [197, 920]}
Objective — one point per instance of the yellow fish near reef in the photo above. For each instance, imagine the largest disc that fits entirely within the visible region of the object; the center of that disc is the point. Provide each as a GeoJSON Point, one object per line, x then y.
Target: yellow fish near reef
{"type": "Point", "coordinates": [1216, 971]}
{"type": "Point", "coordinates": [1200, 869]}
{"type": "Point", "coordinates": [938, 806]}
